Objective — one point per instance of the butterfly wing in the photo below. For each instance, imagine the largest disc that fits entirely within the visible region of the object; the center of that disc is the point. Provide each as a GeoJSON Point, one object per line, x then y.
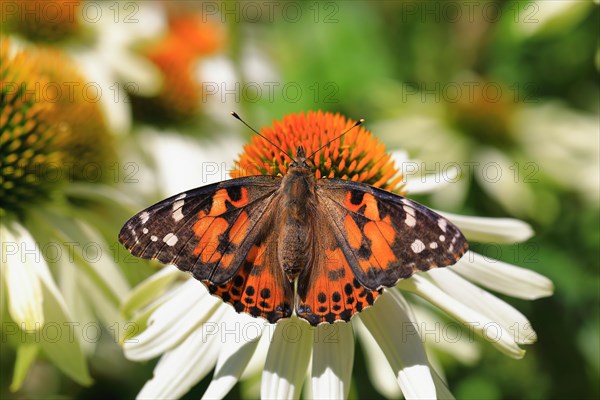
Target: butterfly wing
{"type": "Point", "coordinates": [386, 237]}
{"type": "Point", "coordinates": [259, 287]}
{"type": "Point", "coordinates": [211, 232]}
{"type": "Point", "coordinates": [369, 239]}
{"type": "Point", "coordinates": [327, 288]}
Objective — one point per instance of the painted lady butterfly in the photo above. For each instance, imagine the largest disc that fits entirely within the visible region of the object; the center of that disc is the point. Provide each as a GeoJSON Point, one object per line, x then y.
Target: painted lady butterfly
{"type": "Point", "coordinates": [269, 245]}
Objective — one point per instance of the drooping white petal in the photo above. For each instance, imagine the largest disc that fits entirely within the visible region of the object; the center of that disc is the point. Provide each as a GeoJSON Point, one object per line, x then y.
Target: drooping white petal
{"type": "Point", "coordinates": [492, 230]}
{"type": "Point", "coordinates": [441, 390]}
{"type": "Point", "coordinates": [26, 355]}
{"type": "Point", "coordinates": [182, 367]}
{"type": "Point", "coordinates": [449, 337]}
{"type": "Point", "coordinates": [173, 321]}
{"type": "Point", "coordinates": [502, 277]}
{"type": "Point", "coordinates": [287, 360]}
{"type": "Point", "coordinates": [380, 373]}
{"type": "Point", "coordinates": [20, 259]}
{"type": "Point", "coordinates": [149, 289]}
{"type": "Point", "coordinates": [332, 361]}
{"type": "Point", "coordinates": [393, 326]}
{"type": "Point", "coordinates": [60, 343]}
{"type": "Point", "coordinates": [487, 304]}
{"type": "Point", "coordinates": [498, 178]}
{"type": "Point", "coordinates": [472, 320]}
{"type": "Point", "coordinates": [242, 335]}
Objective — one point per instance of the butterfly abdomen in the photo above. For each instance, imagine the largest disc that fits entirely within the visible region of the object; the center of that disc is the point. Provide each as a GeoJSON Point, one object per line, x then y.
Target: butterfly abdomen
{"type": "Point", "coordinates": [298, 189]}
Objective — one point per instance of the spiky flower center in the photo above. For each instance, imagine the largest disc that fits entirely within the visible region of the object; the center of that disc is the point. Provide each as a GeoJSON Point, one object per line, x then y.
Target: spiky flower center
{"type": "Point", "coordinates": [46, 138]}
{"type": "Point", "coordinates": [356, 156]}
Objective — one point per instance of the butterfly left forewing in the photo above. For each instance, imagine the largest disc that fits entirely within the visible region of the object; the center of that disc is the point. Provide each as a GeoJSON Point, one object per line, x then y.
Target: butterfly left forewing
{"type": "Point", "coordinates": [386, 237]}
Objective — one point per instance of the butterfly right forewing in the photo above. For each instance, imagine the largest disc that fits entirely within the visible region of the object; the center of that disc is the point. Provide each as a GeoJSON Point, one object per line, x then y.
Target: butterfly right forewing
{"type": "Point", "coordinates": [207, 231]}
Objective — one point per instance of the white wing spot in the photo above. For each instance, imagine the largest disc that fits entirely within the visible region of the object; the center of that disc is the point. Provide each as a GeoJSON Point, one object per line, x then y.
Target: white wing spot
{"type": "Point", "coordinates": [144, 217]}
{"type": "Point", "coordinates": [417, 246]}
{"type": "Point", "coordinates": [410, 220]}
{"type": "Point", "coordinates": [433, 245]}
{"type": "Point", "coordinates": [145, 230]}
{"type": "Point", "coordinates": [153, 238]}
{"type": "Point", "coordinates": [442, 224]}
{"type": "Point", "coordinates": [409, 210]}
{"type": "Point", "coordinates": [177, 207]}
{"type": "Point", "coordinates": [442, 238]}
{"type": "Point", "coordinates": [170, 239]}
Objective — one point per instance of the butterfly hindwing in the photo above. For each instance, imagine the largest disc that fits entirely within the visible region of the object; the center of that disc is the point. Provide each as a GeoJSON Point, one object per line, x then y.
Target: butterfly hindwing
{"type": "Point", "coordinates": [207, 231]}
{"type": "Point", "coordinates": [386, 237]}
{"type": "Point", "coordinates": [260, 288]}
{"type": "Point", "coordinates": [327, 289]}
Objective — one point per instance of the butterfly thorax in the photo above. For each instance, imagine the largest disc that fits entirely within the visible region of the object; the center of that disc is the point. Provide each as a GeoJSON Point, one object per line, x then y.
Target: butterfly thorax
{"type": "Point", "coordinates": [299, 202]}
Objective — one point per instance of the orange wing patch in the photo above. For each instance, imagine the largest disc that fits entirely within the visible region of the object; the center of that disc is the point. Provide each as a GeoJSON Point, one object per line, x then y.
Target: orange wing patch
{"type": "Point", "coordinates": [259, 287]}
{"type": "Point", "coordinates": [386, 237]}
{"type": "Point", "coordinates": [329, 291]}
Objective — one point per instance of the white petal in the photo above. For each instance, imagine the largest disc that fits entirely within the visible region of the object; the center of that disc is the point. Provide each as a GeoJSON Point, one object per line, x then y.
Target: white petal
{"type": "Point", "coordinates": [287, 360]}
{"type": "Point", "coordinates": [432, 182]}
{"type": "Point", "coordinates": [242, 335]}
{"type": "Point", "coordinates": [380, 373]}
{"type": "Point", "coordinates": [332, 361]}
{"type": "Point", "coordinates": [395, 329]}
{"type": "Point", "coordinates": [502, 277]}
{"type": "Point", "coordinates": [104, 266]}
{"type": "Point", "coordinates": [472, 320]}
{"type": "Point", "coordinates": [172, 321]}
{"type": "Point", "coordinates": [497, 177]}
{"type": "Point", "coordinates": [257, 362]}
{"type": "Point", "coordinates": [449, 338]}
{"type": "Point", "coordinates": [493, 230]}
{"type": "Point", "coordinates": [441, 389]}
{"type": "Point", "coordinates": [181, 368]}
{"type": "Point", "coordinates": [149, 289]}
{"type": "Point", "coordinates": [485, 303]}
{"type": "Point", "coordinates": [112, 98]}
{"type": "Point", "coordinates": [20, 259]}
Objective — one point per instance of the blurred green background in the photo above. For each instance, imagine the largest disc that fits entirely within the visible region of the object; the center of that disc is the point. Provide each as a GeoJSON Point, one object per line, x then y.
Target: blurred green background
{"type": "Point", "coordinates": [417, 72]}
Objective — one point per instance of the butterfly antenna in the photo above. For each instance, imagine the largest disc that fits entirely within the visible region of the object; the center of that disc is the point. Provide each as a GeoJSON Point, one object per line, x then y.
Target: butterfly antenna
{"type": "Point", "coordinates": [360, 121]}
{"type": "Point", "coordinates": [259, 134]}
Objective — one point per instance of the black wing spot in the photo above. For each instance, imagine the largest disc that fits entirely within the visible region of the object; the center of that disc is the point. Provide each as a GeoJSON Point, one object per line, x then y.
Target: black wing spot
{"type": "Point", "coordinates": [336, 297]}
{"type": "Point", "coordinates": [348, 289]}
{"type": "Point", "coordinates": [234, 192]}
{"type": "Point", "coordinates": [356, 197]}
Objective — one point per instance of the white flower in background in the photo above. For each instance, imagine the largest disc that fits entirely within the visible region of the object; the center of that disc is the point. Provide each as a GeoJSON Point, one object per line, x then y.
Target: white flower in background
{"type": "Point", "coordinates": [111, 62]}
{"type": "Point", "coordinates": [551, 143]}
{"type": "Point", "coordinates": [56, 267]}
{"type": "Point", "coordinates": [193, 332]}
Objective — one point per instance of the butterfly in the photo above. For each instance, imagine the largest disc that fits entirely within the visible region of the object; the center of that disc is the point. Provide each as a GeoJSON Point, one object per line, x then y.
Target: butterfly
{"type": "Point", "coordinates": [274, 245]}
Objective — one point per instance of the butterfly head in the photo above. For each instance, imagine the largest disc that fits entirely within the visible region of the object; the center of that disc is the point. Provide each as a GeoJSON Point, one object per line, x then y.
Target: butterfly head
{"type": "Point", "coordinates": [300, 161]}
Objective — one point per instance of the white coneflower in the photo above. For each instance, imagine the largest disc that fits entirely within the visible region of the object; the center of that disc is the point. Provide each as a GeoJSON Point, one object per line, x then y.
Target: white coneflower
{"type": "Point", "coordinates": [194, 332]}
{"type": "Point", "coordinates": [44, 138]}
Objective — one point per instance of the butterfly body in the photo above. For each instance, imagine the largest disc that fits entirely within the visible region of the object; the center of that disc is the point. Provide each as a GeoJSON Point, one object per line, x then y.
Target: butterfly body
{"type": "Point", "coordinates": [299, 202]}
{"type": "Point", "coordinates": [269, 245]}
